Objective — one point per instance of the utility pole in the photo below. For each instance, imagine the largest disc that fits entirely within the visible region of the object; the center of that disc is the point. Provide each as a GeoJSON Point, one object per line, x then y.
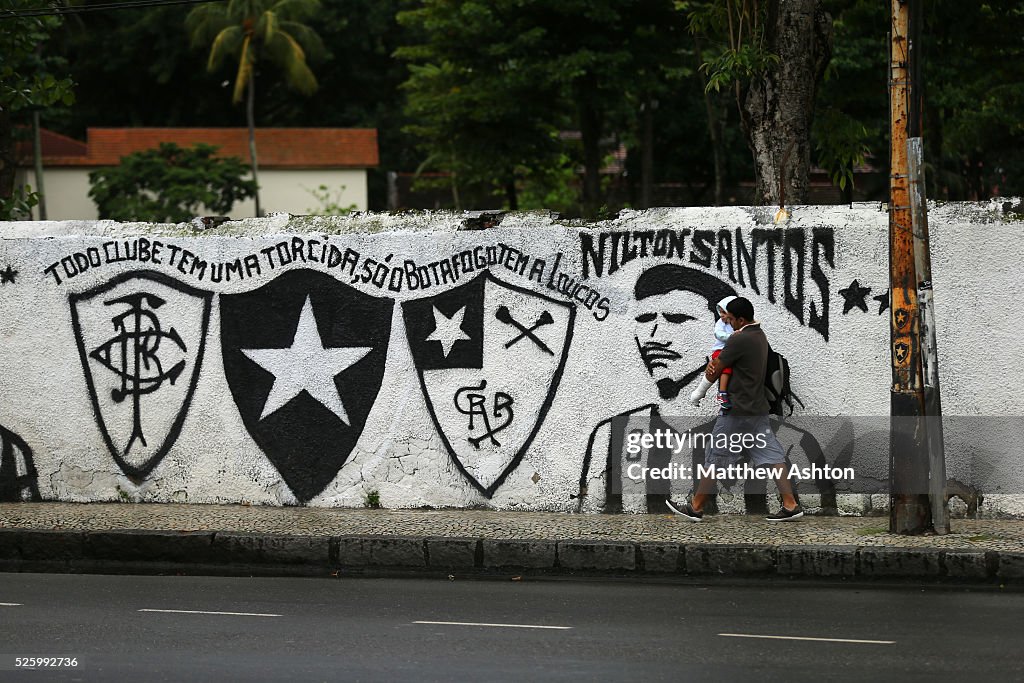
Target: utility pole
{"type": "Point", "coordinates": [916, 461]}
{"type": "Point", "coordinates": [37, 160]}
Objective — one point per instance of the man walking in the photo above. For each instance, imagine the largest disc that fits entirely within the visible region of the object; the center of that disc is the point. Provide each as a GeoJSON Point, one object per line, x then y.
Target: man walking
{"type": "Point", "coordinates": [746, 421]}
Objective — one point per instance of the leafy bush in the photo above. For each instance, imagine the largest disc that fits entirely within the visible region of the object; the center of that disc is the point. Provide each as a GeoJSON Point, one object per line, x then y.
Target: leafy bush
{"type": "Point", "coordinates": [170, 184]}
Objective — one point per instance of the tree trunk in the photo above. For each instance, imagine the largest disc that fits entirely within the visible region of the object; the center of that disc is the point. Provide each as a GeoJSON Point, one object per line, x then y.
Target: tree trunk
{"type": "Point", "coordinates": [37, 160]}
{"type": "Point", "coordinates": [8, 163]}
{"type": "Point", "coordinates": [714, 130]}
{"type": "Point", "coordinates": [647, 156]}
{"type": "Point", "coordinates": [779, 105]}
{"type": "Point", "coordinates": [250, 115]}
{"type": "Point", "coordinates": [590, 132]}
{"type": "Point", "coordinates": [511, 195]}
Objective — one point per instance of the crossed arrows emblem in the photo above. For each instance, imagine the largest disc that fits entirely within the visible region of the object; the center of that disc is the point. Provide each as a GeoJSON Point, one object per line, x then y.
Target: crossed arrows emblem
{"type": "Point", "coordinates": [505, 316]}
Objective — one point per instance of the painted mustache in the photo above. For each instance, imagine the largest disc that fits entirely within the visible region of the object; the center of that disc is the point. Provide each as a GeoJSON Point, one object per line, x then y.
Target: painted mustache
{"type": "Point", "coordinates": [655, 354]}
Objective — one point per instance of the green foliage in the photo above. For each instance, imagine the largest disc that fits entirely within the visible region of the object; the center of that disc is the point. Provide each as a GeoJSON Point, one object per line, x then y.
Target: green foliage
{"type": "Point", "coordinates": [18, 207]}
{"type": "Point", "coordinates": [251, 32]}
{"type": "Point", "coordinates": [372, 499]}
{"type": "Point", "coordinates": [27, 77]}
{"type": "Point", "coordinates": [488, 115]}
{"type": "Point", "coordinates": [329, 202]}
{"type": "Point", "coordinates": [30, 80]}
{"type": "Point", "coordinates": [974, 95]}
{"type": "Point", "coordinates": [735, 31]}
{"type": "Point", "coordinates": [170, 184]}
{"type": "Point", "coordinates": [841, 142]}
{"type": "Point", "coordinates": [492, 82]}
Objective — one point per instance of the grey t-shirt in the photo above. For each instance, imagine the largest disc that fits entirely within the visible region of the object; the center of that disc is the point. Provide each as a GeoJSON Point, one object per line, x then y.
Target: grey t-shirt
{"type": "Point", "coordinates": [746, 352]}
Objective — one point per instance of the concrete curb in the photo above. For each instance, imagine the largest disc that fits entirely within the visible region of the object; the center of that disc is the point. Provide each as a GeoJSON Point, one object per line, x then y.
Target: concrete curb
{"type": "Point", "coordinates": [210, 552]}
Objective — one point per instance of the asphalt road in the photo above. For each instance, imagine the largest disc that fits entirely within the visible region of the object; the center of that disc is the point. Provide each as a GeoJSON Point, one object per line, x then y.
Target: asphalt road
{"type": "Point", "coordinates": [379, 630]}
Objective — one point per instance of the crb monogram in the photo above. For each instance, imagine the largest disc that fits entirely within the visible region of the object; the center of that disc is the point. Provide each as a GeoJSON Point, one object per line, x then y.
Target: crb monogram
{"type": "Point", "coordinates": [133, 354]}
{"type": "Point", "coordinates": [471, 401]}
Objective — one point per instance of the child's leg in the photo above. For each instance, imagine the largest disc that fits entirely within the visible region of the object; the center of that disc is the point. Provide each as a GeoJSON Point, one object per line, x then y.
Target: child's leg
{"type": "Point", "coordinates": [702, 387]}
{"type": "Point", "coordinates": [723, 390]}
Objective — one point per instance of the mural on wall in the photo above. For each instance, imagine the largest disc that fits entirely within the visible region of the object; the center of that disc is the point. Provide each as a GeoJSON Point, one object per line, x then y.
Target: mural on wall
{"type": "Point", "coordinates": [304, 358]}
{"type": "Point", "coordinates": [490, 356]}
{"type": "Point", "coordinates": [527, 346]}
{"type": "Point", "coordinates": [8, 274]}
{"type": "Point", "coordinates": [853, 297]}
{"type": "Point", "coordinates": [734, 254]}
{"type": "Point", "coordinates": [18, 476]}
{"type": "Point", "coordinates": [141, 338]}
{"type": "Point", "coordinates": [675, 313]}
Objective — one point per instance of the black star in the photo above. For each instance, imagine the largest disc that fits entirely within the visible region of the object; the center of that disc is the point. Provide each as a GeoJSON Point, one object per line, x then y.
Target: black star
{"type": "Point", "coordinates": [854, 295]}
{"type": "Point", "coordinates": [883, 302]}
{"type": "Point", "coordinates": [7, 275]}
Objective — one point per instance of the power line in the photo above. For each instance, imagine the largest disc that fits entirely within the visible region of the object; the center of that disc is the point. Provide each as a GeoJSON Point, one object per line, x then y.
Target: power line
{"type": "Point", "coordinates": [103, 7]}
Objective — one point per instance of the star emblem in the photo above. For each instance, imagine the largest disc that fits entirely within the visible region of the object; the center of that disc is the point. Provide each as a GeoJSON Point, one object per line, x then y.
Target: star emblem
{"type": "Point", "coordinates": [901, 316]}
{"type": "Point", "coordinates": [883, 302]}
{"type": "Point", "coordinates": [448, 330]}
{"type": "Point", "coordinates": [902, 351]}
{"type": "Point", "coordinates": [7, 275]}
{"type": "Point", "coordinates": [306, 366]}
{"type": "Point", "coordinates": [854, 296]}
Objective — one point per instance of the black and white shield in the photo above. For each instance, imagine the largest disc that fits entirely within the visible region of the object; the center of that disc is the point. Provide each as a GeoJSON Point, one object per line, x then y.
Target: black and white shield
{"type": "Point", "coordinates": [466, 343]}
{"type": "Point", "coordinates": [304, 358]}
{"type": "Point", "coordinates": [141, 338]}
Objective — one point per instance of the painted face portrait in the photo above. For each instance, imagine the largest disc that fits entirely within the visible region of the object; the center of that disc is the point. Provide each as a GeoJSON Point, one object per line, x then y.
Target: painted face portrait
{"type": "Point", "coordinates": [675, 318]}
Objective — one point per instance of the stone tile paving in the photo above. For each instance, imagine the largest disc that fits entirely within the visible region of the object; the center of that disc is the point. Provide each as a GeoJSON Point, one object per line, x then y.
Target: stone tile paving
{"type": "Point", "coordinates": [1005, 535]}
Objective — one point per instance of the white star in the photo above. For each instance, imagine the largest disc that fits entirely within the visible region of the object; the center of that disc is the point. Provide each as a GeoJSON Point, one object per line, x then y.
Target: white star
{"type": "Point", "coordinates": [306, 366]}
{"type": "Point", "coordinates": [448, 330]}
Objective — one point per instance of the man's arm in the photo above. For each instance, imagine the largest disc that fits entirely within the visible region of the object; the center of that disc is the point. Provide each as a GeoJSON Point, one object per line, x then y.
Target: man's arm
{"type": "Point", "coordinates": [729, 355]}
{"type": "Point", "coordinates": [714, 370]}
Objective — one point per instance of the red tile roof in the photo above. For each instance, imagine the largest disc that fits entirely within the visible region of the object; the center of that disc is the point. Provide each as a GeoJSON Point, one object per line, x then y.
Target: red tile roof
{"type": "Point", "coordinates": [53, 144]}
{"type": "Point", "coordinates": [275, 147]}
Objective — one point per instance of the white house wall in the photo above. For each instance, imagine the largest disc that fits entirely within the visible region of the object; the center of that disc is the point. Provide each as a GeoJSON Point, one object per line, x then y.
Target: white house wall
{"type": "Point", "coordinates": [291, 191]}
{"type": "Point", "coordinates": [67, 193]}
{"type": "Point", "coordinates": [304, 361]}
{"type": "Point", "coordinates": [282, 190]}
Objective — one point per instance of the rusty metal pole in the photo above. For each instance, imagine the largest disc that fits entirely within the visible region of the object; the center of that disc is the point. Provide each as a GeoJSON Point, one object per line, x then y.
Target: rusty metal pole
{"type": "Point", "coordinates": [929, 343]}
{"type": "Point", "coordinates": [909, 511]}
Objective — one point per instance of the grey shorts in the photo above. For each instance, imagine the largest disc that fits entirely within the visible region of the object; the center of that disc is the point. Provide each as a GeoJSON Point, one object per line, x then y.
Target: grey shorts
{"type": "Point", "coordinates": [736, 435]}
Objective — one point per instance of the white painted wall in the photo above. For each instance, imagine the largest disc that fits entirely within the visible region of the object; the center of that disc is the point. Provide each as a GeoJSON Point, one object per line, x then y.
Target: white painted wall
{"type": "Point", "coordinates": [400, 452]}
{"type": "Point", "coordinates": [288, 191]}
{"type": "Point", "coordinates": [67, 193]}
{"type": "Point", "coordinates": [282, 190]}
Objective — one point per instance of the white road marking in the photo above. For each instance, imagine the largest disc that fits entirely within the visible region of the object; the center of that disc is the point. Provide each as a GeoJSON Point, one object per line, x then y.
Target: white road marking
{"type": "Point", "coordinates": [473, 623]}
{"type": "Point", "coordinates": [196, 611]}
{"type": "Point", "coordinates": [819, 640]}
{"type": "Point", "coordinates": [10, 604]}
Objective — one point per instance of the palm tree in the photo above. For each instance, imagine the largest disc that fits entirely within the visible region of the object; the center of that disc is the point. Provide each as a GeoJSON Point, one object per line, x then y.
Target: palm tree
{"type": "Point", "coordinates": [255, 31]}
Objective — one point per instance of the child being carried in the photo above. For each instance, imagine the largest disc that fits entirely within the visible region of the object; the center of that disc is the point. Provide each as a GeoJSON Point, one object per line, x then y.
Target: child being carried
{"type": "Point", "coordinates": [723, 328]}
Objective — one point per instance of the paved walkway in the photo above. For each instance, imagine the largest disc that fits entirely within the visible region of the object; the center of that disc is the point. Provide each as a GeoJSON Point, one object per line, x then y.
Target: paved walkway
{"type": "Point", "coordinates": [347, 537]}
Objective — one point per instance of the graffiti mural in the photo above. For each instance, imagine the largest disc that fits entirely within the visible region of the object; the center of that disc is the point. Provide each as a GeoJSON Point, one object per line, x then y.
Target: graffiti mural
{"type": "Point", "coordinates": [735, 255]}
{"type": "Point", "coordinates": [304, 358]}
{"type": "Point", "coordinates": [853, 297]}
{"type": "Point", "coordinates": [141, 338]}
{"type": "Point", "coordinates": [465, 343]}
{"type": "Point", "coordinates": [18, 476]}
{"type": "Point", "coordinates": [435, 367]}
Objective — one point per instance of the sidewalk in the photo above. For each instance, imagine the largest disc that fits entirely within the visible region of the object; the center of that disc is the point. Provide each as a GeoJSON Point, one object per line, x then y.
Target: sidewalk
{"type": "Point", "coordinates": [235, 539]}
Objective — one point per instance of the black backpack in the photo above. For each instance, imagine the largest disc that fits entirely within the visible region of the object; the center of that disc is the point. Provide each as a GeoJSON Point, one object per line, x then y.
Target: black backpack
{"type": "Point", "coordinates": [776, 384]}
